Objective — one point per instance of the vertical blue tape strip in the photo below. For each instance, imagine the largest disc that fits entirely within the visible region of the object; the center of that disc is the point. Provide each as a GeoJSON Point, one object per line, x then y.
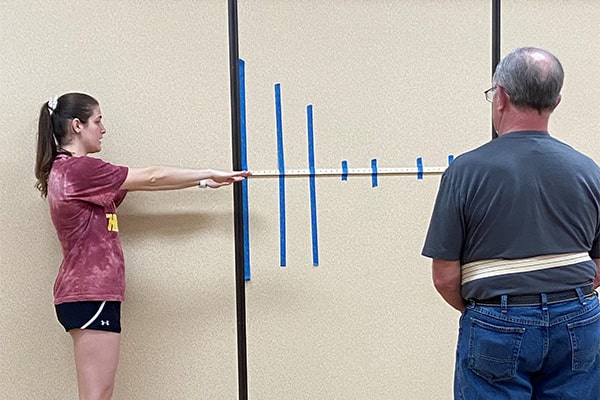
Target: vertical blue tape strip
{"type": "Point", "coordinates": [244, 159]}
{"type": "Point", "coordinates": [313, 186]}
{"type": "Point", "coordinates": [450, 159]}
{"type": "Point", "coordinates": [281, 167]}
{"type": "Point", "coordinates": [374, 173]}
{"type": "Point", "coordinates": [344, 170]}
{"type": "Point", "coordinates": [419, 168]}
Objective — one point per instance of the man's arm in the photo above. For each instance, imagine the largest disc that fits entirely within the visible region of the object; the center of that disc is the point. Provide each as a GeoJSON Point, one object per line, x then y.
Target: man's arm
{"type": "Point", "coordinates": [446, 279]}
{"type": "Point", "coordinates": [597, 280]}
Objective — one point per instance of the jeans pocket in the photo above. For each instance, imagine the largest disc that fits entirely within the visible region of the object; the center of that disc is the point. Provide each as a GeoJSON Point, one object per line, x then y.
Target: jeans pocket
{"type": "Point", "coordinates": [585, 342]}
{"type": "Point", "coordinates": [494, 350]}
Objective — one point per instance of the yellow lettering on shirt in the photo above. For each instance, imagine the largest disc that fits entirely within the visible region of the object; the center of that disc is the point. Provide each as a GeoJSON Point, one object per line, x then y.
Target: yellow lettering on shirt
{"type": "Point", "coordinates": [113, 225]}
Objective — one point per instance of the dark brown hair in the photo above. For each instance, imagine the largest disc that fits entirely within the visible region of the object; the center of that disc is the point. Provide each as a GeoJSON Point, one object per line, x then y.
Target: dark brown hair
{"type": "Point", "coordinates": [54, 131]}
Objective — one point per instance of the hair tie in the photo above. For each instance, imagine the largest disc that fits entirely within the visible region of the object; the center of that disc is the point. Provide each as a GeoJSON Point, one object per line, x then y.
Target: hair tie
{"type": "Point", "coordinates": [52, 103]}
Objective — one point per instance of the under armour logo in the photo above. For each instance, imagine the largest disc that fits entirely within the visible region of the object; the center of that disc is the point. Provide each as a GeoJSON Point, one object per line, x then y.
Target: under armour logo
{"type": "Point", "coordinates": [104, 322]}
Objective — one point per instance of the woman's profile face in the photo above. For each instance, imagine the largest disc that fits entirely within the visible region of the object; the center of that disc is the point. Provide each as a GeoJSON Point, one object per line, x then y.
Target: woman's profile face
{"type": "Point", "coordinates": [92, 132]}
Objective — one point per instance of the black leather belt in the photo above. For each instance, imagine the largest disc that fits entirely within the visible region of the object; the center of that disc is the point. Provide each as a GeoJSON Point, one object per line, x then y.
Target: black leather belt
{"type": "Point", "coordinates": [536, 299]}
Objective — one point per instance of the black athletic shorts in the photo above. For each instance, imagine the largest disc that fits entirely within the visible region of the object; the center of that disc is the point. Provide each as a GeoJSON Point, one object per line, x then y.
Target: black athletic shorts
{"type": "Point", "coordinates": [98, 315]}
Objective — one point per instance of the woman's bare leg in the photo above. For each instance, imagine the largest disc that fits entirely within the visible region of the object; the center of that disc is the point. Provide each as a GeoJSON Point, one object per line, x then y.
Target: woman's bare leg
{"type": "Point", "coordinates": [96, 360]}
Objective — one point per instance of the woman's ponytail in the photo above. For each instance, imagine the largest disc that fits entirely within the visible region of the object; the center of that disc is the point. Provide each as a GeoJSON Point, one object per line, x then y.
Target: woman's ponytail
{"type": "Point", "coordinates": [46, 150]}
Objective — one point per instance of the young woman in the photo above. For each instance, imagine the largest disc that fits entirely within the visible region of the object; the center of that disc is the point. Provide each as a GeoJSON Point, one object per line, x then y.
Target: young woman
{"type": "Point", "coordinates": [83, 194]}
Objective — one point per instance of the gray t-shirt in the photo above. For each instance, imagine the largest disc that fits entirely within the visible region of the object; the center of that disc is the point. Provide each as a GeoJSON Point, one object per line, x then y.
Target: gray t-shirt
{"type": "Point", "coordinates": [524, 194]}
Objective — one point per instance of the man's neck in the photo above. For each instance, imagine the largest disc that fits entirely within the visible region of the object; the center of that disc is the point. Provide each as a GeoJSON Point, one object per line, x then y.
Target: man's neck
{"type": "Point", "coordinates": [524, 120]}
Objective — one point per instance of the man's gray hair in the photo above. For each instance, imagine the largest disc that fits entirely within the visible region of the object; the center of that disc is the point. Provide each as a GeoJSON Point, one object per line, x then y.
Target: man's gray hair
{"type": "Point", "coordinates": [532, 77]}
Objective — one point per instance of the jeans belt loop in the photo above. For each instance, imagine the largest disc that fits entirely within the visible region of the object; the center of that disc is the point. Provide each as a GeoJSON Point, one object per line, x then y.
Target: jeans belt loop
{"type": "Point", "coordinates": [581, 296]}
{"type": "Point", "coordinates": [544, 297]}
{"type": "Point", "coordinates": [504, 303]}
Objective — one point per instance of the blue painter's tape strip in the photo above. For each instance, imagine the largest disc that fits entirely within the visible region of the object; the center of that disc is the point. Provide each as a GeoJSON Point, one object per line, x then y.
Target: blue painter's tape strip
{"type": "Point", "coordinates": [281, 167]}
{"type": "Point", "coordinates": [246, 232]}
{"type": "Point", "coordinates": [374, 173]}
{"type": "Point", "coordinates": [344, 170]}
{"type": "Point", "coordinates": [450, 159]}
{"type": "Point", "coordinates": [244, 160]}
{"type": "Point", "coordinates": [313, 185]}
{"type": "Point", "coordinates": [419, 168]}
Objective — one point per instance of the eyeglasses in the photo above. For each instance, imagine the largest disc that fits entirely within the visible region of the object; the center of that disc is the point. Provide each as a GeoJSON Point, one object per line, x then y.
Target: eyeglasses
{"type": "Point", "coordinates": [489, 94]}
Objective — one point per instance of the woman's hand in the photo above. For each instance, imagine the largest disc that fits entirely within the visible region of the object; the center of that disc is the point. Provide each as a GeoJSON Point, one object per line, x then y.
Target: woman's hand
{"type": "Point", "coordinates": [222, 178]}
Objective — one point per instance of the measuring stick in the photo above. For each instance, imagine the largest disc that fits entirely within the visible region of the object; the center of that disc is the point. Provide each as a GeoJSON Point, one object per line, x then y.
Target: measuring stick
{"type": "Point", "coordinates": [349, 171]}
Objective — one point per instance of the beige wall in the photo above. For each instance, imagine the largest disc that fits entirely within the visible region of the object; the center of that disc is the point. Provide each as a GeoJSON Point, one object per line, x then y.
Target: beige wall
{"type": "Point", "coordinates": [388, 80]}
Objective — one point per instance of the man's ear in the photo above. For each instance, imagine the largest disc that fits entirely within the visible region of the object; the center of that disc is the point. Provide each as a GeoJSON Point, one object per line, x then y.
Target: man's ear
{"type": "Point", "coordinates": [557, 101]}
{"type": "Point", "coordinates": [502, 99]}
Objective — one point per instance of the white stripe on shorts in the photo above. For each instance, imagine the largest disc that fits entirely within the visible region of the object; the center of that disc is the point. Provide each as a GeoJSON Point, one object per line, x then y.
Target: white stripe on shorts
{"type": "Point", "coordinates": [95, 316]}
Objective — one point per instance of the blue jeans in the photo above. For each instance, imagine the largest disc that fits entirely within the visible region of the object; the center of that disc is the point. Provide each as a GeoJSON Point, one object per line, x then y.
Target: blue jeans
{"type": "Point", "coordinates": [549, 351]}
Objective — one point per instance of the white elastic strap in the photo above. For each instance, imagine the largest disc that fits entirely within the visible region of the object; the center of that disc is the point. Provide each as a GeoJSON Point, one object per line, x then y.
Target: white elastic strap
{"type": "Point", "coordinates": [202, 184]}
{"type": "Point", "coordinates": [496, 267]}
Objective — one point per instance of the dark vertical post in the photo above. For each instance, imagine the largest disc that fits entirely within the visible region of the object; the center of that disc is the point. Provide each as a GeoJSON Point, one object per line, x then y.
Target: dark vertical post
{"type": "Point", "coordinates": [495, 42]}
{"type": "Point", "coordinates": [234, 89]}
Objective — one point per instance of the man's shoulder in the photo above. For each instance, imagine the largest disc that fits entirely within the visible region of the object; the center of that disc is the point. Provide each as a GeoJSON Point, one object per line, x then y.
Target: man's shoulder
{"type": "Point", "coordinates": [477, 154]}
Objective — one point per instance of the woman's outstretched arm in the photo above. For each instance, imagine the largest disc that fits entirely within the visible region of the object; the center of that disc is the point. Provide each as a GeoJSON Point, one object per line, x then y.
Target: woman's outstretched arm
{"type": "Point", "coordinates": [173, 178]}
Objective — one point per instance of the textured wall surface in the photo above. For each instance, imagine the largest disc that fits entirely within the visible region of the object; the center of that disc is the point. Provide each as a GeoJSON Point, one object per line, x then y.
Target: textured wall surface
{"type": "Point", "coordinates": [387, 80]}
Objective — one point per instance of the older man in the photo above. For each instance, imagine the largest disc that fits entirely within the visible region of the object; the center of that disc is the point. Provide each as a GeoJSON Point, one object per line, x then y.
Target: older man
{"type": "Point", "coordinates": [515, 243]}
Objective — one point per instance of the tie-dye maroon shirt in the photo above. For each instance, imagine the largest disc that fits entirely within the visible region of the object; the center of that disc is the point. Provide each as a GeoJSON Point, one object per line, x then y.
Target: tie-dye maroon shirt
{"type": "Point", "coordinates": [83, 194]}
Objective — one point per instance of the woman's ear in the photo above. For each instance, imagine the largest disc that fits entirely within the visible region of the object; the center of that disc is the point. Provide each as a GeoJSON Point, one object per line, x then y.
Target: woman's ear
{"type": "Point", "coordinates": [76, 125]}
